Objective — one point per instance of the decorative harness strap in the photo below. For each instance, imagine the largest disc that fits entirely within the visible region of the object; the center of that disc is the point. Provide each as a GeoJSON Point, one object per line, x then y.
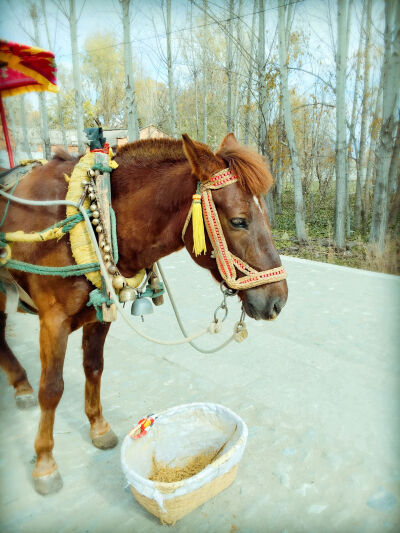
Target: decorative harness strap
{"type": "Point", "coordinates": [226, 261]}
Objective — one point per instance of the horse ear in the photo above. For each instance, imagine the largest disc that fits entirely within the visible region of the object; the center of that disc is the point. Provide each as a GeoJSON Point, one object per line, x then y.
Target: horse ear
{"type": "Point", "coordinates": [193, 154]}
{"type": "Point", "coordinates": [228, 140]}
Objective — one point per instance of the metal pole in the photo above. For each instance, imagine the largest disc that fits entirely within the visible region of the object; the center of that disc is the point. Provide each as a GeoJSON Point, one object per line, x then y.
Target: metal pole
{"type": "Point", "coordinates": [6, 136]}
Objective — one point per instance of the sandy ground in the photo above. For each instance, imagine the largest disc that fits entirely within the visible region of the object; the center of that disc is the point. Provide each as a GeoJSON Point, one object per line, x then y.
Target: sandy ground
{"type": "Point", "coordinates": [318, 389]}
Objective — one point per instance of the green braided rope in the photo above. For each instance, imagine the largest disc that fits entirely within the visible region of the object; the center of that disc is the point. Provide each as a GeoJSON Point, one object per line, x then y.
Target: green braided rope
{"type": "Point", "coordinates": [68, 223]}
{"type": "Point", "coordinates": [114, 240]}
{"type": "Point", "coordinates": [102, 168]}
{"type": "Point", "coordinates": [64, 271]}
{"type": "Point", "coordinates": [97, 298]}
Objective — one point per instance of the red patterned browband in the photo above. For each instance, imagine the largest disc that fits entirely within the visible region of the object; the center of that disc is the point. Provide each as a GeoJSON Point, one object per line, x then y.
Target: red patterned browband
{"type": "Point", "coordinates": [220, 179]}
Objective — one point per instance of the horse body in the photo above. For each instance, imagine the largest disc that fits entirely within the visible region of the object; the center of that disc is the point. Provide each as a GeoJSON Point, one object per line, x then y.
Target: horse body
{"type": "Point", "coordinates": [152, 190]}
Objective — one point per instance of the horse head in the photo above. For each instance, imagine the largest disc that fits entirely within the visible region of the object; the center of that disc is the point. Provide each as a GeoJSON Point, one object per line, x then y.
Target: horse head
{"type": "Point", "coordinates": [243, 218]}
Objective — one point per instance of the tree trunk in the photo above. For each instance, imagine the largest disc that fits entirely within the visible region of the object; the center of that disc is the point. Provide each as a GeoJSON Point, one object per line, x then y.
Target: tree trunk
{"type": "Point", "coordinates": [263, 144]}
{"type": "Point", "coordinates": [61, 122]}
{"type": "Point", "coordinates": [171, 88]}
{"type": "Point", "coordinates": [44, 121]}
{"type": "Point", "coordinates": [250, 76]}
{"type": "Point", "coordinates": [204, 61]}
{"type": "Point", "coordinates": [196, 104]}
{"type": "Point", "coordinates": [76, 75]}
{"type": "Point", "coordinates": [59, 108]}
{"type": "Point", "coordinates": [27, 147]}
{"type": "Point", "coordinates": [391, 83]}
{"type": "Point", "coordinates": [229, 66]}
{"type": "Point", "coordinates": [262, 89]}
{"type": "Point", "coordinates": [394, 164]}
{"type": "Point", "coordinates": [130, 96]}
{"type": "Point", "coordinates": [362, 165]}
{"type": "Point", "coordinates": [372, 149]}
{"type": "Point", "coordinates": [341, 60]}
{"type": "Point", "coordinates": [287, 113]}
{"type": "Point", "coordinates": [352, 136]}
{"type": "Point", "coordinates": [278, 176]}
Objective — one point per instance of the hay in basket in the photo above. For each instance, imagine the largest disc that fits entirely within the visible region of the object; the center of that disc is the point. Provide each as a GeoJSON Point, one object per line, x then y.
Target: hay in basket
{"type": "Point", "coordinates": [198, 446]}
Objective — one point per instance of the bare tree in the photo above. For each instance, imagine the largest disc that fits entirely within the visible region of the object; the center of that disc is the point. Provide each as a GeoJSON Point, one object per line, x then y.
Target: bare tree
{"type": "Point", "coordinates": [70, 14]}
{"type": "Point", "coordinates": [372, 149]}
{"type": "Point", "coordinates": [204, 62]}
{"type": "Point", "coordinates": [130, 96]}
{"type": "Point", "coordinates": [229, 68]}
{"type": "Point", "coordinates": [362, 156]}
{"type": "Point", "coordinates": [394, 163]}
{"type": "Point", "coordinates": [250, 76]}
{"type": "Point", "coordinates": [287, 113]}
{"type": "Point", "coordinates": [391, 85]}
{"type": "Point", "coordinates": [263, 144]}
{"type": "Point", "coordinates": [59, 108]}
{"type": "Point", "coordinates": [27, 146]}
{"type": "Point", "coordinates": [44, 122]}
{"type": "Point", "coordinates": [341, 60]}
{"type": "Point", "coordinates": [170, 72]}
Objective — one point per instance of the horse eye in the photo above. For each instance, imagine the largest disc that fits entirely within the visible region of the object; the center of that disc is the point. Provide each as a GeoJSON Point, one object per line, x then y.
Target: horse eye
{"type": "Point", "coordinates": [239, 223]}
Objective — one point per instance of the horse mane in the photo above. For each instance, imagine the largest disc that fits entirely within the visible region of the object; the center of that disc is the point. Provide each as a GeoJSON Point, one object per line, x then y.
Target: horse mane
{"type": "Point", "coordinates": [148, 151]}
{"type": "Point", "coordinates": [63, 155]}
{"type": "Point", "coordinates": [251, 168]}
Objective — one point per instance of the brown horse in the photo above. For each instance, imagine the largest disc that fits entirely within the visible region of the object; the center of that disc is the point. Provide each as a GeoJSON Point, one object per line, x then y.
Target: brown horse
{"type": "Point", "coordinates": [152, 190]}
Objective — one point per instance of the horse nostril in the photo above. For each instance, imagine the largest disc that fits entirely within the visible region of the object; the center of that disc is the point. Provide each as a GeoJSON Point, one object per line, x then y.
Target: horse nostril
{"type": "Point", "coordinates": [277, 306]}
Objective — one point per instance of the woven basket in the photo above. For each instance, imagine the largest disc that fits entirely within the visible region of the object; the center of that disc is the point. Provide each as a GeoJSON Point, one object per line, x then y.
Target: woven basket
{"type": "Point", "coordinates": [180, 432]}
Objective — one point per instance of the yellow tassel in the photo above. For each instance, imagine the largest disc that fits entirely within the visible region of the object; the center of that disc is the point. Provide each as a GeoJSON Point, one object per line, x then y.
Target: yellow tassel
{"type": "Point", "coordinates": [199, 239]}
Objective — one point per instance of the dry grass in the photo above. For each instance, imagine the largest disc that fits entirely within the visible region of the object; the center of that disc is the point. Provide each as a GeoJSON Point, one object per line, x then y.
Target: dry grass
{"type": "Point", "coordinates": [357, 255]}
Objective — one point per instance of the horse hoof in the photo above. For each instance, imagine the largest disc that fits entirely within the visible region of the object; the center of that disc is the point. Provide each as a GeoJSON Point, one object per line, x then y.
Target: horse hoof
{"type": "Point", "coordinates": [24, 401]}
{"type": "Point", "coordinates": [106, 441]}
{"type": "Point", "coordinates": [48, 484]}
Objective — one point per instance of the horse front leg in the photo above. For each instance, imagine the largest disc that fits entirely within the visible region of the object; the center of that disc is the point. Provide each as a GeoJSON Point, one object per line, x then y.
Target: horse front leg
{"type": "Point", "coordinates": [94, 335]}
{"type": "Point", "coordinates": [54, 331]}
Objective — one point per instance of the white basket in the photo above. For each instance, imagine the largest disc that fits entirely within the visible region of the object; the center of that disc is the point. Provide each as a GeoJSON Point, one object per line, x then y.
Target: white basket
{"type": "Point", "coordinates": [178, 433]}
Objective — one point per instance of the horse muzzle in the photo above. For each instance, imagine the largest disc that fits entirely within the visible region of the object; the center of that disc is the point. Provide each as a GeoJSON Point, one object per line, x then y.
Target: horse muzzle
{"type": "Point", "coordinates": [266, 301]}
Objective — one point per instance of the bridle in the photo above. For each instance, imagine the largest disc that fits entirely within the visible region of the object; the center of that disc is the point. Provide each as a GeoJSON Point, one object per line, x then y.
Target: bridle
{"type": "Point", "coordinates": [227, 262]}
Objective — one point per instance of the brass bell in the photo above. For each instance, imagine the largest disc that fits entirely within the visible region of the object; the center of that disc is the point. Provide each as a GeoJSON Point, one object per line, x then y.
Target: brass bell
{"type": "Point", "coordinates": [126, 294]}
{"type": "Point", "coordinates": [99, 228]}
{"type": "Point", "coordinates": [93, 207]}
{"type": "Point", "coordinates": [95, 221]}
{"type": "Point", "coordinates": [112, 269]}
{"type": "Point", "coordinates": [96, 214]}
{"type": "Point", "coordinates": [92, 196]}
{"type": "Point", "coordinates": [155, 283]}
{"type": "Point", "coordinates": [118, 282]}
{"type": "Point", "coordinates": [141, 306]}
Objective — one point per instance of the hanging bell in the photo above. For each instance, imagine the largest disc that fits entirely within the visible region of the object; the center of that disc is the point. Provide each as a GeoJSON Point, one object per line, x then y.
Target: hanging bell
{"type": "Point", "coordinates": [141, 306]}
{"type": "Point", "coordinates": [127, 294]}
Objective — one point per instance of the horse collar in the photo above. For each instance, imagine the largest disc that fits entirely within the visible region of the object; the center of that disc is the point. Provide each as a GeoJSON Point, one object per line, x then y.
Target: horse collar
{"type": "Point", "coordinates": [227, 262]}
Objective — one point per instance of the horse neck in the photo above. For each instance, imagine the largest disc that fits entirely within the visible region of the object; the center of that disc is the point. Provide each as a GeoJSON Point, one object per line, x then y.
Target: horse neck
{"type": "Point", "coordinates": [151, 204]}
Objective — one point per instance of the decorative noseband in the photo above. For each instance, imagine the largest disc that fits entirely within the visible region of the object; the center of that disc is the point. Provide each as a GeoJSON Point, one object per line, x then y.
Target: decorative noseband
{"type": "Point", "coordinates": [226, 261]}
